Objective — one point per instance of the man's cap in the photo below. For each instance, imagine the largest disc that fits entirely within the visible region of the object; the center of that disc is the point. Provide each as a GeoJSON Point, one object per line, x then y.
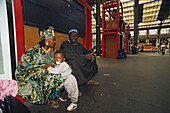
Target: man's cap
{"type": "Point", "coordinates": [46, 34]}
{"type": "Point", "coordinates": [73, 30]}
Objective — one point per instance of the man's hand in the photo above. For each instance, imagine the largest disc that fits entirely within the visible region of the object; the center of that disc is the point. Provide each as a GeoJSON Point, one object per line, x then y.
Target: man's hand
{"type": "Point", "coordinates": [48, 65]}
{"type": "Point", "coordinates": [90, 56]}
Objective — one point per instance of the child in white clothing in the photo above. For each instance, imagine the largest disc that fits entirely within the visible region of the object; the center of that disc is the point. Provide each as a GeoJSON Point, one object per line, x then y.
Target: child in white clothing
{"type": "Point", "coordinates": [70, 82]}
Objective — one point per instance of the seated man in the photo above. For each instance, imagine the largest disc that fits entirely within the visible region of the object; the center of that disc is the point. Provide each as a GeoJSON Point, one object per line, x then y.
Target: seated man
{"type": "Point", "coordinates": [81, 59]}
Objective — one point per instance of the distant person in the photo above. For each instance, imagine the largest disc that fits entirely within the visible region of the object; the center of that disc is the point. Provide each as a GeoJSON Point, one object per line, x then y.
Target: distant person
{"type": "Point", "coordinates": [134, 49]}
{"type": "Point", "coordinates": [70, 82]}
{"type": "Point", "coordinates": [163, 46]}
{"type": "Point", "coordinates": [82, 60]}
{"type": "Point", "coordinates": [142, 48]}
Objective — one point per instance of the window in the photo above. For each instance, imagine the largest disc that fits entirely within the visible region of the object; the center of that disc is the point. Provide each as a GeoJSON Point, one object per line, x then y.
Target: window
{"type": "Point", "coordinates": [165, 30]}
{"type": "Point", "coordinates": [153, 32]}
{"type": "Point", "coordinates": [132, 33]}
{"type": "Point", "coordinates": [142, 32]}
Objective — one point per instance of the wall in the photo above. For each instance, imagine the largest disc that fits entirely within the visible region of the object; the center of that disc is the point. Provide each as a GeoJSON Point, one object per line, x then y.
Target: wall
{"type": "Point", "coordinates": [31, 37]}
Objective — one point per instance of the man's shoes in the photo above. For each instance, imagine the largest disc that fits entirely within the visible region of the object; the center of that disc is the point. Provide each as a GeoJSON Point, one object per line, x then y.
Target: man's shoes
{"type": "Point", "coordinates": [93, 82]}
{"type": "Point", "coordinates": [71, 107]}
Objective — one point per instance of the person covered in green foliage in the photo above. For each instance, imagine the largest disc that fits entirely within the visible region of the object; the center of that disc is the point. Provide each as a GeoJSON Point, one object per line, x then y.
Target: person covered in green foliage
{"type": "Point", "coordinates": [36, 85]}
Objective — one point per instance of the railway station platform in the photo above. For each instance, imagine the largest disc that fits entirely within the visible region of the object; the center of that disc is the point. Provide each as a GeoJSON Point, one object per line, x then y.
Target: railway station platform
{"type": "Point", "coordinates": [138, 84]}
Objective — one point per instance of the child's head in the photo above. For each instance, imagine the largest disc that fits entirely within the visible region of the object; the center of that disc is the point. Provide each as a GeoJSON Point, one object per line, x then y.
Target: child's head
{"type": "Point", "coordinates": [59, 56]}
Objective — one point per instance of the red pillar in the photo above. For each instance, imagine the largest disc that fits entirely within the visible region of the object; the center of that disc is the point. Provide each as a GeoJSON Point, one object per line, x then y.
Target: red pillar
{"type": "Point", "coordinates": [19, 33]}
{"type": "Point", "coordinates": [19, 28]}
{"type": "Point", "coordinates": [87, 40]}
{"type": "Point", "coordinates": [103, 46]}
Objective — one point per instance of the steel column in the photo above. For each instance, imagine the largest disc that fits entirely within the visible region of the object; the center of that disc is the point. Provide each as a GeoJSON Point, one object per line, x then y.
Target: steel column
{"type": "Point", "coordinates": [136, 22]}
{"type": "Point", "coordinates": [98, 49]}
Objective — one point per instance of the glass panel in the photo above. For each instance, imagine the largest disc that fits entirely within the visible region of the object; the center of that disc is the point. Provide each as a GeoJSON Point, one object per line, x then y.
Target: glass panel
{"type": "Point", "coordinates": [153, 32]}
{"type": "Point", "coordinates": [5, 61]}
{"type": "Point", "coordinates": [1, 58]}
{"type": "Point", "coordinates": [132, 33]}
{"type": "Point", "coordinates": [142, 32]}
{"type": "Point", "coordinates": [165, 30]}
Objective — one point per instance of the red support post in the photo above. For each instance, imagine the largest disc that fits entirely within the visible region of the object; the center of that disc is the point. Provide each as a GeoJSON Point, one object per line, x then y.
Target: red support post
{"type": "Point", "coordinates": [87, 40]}
{"type": "Point", "coordinates": [90, 30]}
{"type": "Point", "coordinates": [19, 34]}
{"type": "Point", "coordinates": [19, 28]}
{"type": "Point", "coordinates": [103, 46]}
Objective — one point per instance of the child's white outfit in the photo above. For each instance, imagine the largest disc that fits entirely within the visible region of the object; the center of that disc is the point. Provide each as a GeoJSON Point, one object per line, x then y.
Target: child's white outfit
{"type": "Point", "coordinates": [70, 82]}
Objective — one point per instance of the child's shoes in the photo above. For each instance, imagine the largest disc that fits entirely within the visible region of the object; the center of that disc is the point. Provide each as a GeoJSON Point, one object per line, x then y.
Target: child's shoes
{"type": "Point", "coordinates": [71, 107]}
